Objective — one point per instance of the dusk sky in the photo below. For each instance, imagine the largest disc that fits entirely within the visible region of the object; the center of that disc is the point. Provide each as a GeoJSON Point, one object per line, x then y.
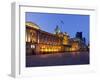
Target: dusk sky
{"type": "Point", "coordinates": [70, 23]}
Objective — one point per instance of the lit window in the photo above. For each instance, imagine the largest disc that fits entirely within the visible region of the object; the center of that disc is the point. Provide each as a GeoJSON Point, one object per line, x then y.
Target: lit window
{"type": "Point", "coordinates": [32, 46]}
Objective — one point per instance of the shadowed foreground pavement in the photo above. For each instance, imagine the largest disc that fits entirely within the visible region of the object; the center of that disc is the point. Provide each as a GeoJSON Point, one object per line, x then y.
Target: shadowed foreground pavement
{"type": "Point", "coordinates": [55, 59]}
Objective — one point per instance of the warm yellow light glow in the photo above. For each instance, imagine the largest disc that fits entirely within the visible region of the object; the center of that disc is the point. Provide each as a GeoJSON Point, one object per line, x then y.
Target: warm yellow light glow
{"type": "Point", "coordinates": [46, 48]}
{"type": "Point", "coordinates": [28, 39]}
{"type": "Point", "coordinates": [32, 25]}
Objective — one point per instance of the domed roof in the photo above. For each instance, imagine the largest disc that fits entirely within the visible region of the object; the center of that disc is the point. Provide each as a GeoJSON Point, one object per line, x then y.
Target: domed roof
{"type": "Point", "coordinates": [31, 24]}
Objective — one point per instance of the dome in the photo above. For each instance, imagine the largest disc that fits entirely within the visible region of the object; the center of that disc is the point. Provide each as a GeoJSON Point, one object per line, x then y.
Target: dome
{"type": "Point", "coordinates": [31, 24]}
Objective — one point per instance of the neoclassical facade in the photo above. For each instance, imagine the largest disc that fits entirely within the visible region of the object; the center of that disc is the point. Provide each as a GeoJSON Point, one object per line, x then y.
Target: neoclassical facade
{"type": "Point", "coordinates": [41, 42]}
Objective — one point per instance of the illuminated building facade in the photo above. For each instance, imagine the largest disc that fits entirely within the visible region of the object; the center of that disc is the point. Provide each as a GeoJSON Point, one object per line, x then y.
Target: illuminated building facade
{"type": "Point", "coordinates": [40, 42]}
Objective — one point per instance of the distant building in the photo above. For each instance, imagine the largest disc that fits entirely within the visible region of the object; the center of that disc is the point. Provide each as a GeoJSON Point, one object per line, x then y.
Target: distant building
{"type": "Point", "coordinates": [84, 40]}
{"type": "Point", "coordinates": [79, 35]}
{"type": "Point", "coordinates": [83, 46]}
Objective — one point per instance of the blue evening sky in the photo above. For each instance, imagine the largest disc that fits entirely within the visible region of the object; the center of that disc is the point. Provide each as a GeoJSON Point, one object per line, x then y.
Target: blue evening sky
{"type": "Point", "coordinates": [70, 23]}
